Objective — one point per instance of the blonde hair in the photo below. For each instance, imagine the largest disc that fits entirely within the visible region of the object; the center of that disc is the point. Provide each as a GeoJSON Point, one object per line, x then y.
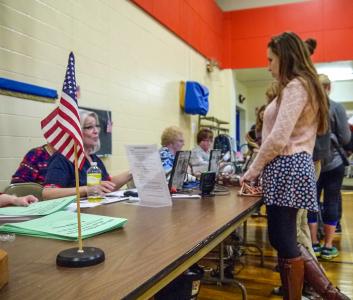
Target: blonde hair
{"type": "Point", "coordinates": [325, 81]}
{"type": "Point", "coordinates": [170, 135]}
{"type": "Point", "coordinates": [259, 119]}
{"type": "Point", "coordinates": [272, 91]}
{"type": "Point", "coordinates": [83, 116]}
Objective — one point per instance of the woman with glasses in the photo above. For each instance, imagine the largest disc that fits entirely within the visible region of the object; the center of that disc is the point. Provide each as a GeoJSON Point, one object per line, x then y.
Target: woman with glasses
{"type": "Point", "coordinates": [200, 155]}
{"type": "Point", "coordinates": [60, 178]}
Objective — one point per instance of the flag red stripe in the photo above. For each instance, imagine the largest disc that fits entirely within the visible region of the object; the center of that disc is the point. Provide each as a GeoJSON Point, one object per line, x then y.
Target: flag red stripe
{"type": "Point", "coordinates": [72, 135]}
{"type": "Point", "coordinates": [50, 117]}
{"type": "Point", "coordinates": [74, 122]}
{"type": "Point", "coordinates": [71, 151]}
{"type": "Point", "coordinates": [64, 145]}
{"type": "Point", "coordinates": [69, 106]}
{"type": "Point", "coordinates": [57, 139]}
{"type": "Point", "coordinates": [77, 131]}
{"type": "Point", "coordinates": [50, 131]}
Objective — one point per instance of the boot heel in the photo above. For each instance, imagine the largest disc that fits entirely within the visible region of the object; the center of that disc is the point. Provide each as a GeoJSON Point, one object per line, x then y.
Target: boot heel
{"type": "Point", "coordinates": [316, 277]}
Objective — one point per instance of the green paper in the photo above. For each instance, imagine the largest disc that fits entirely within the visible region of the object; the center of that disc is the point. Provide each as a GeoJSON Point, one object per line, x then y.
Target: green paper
{"type": "Point", "coordinates": [41, 208]}
{"type": "Point", "coordinates": [62, 225]}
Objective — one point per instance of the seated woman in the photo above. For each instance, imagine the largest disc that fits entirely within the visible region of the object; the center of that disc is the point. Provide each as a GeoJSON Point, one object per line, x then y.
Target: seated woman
{"type": "Point", "coordinates": [6, 200]}
{"type": "Point", "coordinates": [200, 155]}
{"type": "Point", "coordinates": [172, 140]}
{"type": "Point", "coordinates": [60, 179]}
{"type": "Point", "coordinates": [34, 165]}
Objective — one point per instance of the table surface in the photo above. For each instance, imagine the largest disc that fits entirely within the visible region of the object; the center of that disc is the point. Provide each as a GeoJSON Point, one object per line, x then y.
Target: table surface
{"type": "Point", "coordinates": [153, 243]}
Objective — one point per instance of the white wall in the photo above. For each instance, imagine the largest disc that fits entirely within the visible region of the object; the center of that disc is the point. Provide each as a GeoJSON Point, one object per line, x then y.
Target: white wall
{"type": "Point", "coordinates": [342, 91]}
{"type": "Point", "coordinates": [256, 97]}
{"type": "Point", "coordinates": [242, 89]}
{"type": "Point", "coordinates": [126, 62]}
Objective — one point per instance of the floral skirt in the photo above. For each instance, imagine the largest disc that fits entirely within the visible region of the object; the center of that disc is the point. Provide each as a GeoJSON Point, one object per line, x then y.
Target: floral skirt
{"type": "Point", "coordinates": [290, 181]}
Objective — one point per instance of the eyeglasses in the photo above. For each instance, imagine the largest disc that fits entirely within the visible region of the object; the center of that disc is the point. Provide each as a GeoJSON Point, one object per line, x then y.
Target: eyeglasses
{"type": "Point", "coordinates": [90, 128]}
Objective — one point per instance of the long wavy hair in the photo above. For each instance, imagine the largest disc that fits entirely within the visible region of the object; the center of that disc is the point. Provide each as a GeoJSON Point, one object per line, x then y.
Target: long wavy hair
{"type": "Point", "coordinates": [295, 62]}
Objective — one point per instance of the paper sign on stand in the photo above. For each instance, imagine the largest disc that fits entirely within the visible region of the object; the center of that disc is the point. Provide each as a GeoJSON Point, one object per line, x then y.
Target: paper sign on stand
{"type": "Point", "coordinates": [149, 177]}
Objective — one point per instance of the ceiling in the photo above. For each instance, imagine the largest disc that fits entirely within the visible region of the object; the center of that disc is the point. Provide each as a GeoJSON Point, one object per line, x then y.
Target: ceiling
{"type": "Point", "coordinates": [228, 5]}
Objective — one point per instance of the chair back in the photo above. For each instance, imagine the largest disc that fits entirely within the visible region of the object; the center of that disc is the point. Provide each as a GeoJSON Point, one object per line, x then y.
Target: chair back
{"type": "Point", "coordinates": [131, 184]}
{"type": "Point", "coordinates": [24, 189]}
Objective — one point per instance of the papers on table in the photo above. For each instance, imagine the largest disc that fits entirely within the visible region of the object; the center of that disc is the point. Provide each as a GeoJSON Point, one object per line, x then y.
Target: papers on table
{"type": "Point", "coordinates": [149, 177]}
{"type": "Point", "coordinates": [41, 208]}
{"type": "Point", "coordinates": [62, 225]}
{"type": "Point", "coordinates": [108, 199]}
{"type": "Point", "coordinates": [14, 219]}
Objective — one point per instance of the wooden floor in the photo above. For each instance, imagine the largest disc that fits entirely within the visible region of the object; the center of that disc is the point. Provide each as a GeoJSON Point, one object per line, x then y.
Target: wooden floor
{"type": "Point", "coordinates": [260, 281]}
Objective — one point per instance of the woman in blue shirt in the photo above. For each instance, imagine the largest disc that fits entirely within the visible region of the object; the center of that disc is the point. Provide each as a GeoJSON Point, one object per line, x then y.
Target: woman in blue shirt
{"type": "Point", "coordinates": [60, 178]}
{"type": "Point", "coordinates": [172, 140]}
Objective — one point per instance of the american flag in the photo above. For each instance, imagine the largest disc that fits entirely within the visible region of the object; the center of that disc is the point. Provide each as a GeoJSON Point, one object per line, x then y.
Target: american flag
{"type": "Point", "coordinates": [61, 127]}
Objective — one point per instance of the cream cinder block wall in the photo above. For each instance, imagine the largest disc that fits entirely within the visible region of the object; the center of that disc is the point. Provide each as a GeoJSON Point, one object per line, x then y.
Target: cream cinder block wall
{"type": "Point", "coordinates": [242, 89]}
{"type": "Point", "coordinates": [126, 62]}
{"type": "Point", "coordinates": [342, 91]}
{"type": "Point", "coordinates": [256, 99]}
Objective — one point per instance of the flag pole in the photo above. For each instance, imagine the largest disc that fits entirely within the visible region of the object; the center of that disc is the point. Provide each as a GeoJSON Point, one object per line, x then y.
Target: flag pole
{"type": "Point", "coordinates": [81, 256]}
{"type": "Point", "coordinates": [80, 249]}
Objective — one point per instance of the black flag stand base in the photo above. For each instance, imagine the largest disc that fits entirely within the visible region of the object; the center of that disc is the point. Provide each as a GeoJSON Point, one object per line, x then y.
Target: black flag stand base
{"type": "Point", "coordinates": [72, 258]}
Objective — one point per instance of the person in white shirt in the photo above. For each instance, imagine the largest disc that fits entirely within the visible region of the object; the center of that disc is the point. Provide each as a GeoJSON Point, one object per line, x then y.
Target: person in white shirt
{"type": "Point", "coordinates": [200, 155]}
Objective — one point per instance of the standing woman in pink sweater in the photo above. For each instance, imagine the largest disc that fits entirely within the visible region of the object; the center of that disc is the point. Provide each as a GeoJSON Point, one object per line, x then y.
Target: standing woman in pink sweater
{"type": "Point", "coordinates": [291, 122]}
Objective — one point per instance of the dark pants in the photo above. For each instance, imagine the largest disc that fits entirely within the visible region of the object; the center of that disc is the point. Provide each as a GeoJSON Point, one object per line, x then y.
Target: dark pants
{"type": "Point", "coordinates": [340, 208]}
{"type": "Point", "coordinates": [331, 183]}
{"type": "Point", "coordinates": [282, 230]}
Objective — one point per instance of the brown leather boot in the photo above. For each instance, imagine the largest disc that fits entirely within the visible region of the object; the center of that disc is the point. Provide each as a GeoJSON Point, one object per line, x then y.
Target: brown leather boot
{"type": "Point", "coordinates": [316, 277]}
{"type": "Point", "coordinates": [292, 277]}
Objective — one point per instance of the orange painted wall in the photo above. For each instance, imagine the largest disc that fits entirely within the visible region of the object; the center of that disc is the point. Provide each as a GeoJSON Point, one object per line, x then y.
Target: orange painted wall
{"type": "Point", "coordinates": [198, 22]}
{"type": "Point", "coordinates": [330, 22]}
{"type": "Point", "coordinates": [238, 39]}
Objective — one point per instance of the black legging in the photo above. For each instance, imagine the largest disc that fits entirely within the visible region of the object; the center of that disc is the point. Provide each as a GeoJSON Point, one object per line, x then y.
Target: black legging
{"type": "Point", "coordinates": [331, 183]}
{"type": "Point", "coordinates": [282, 230]}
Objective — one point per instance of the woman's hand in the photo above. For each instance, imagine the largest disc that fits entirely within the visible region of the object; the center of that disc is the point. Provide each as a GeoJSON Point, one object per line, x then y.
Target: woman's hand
{"type": "Point", "coordinates": [107, 186]}
{"type": "Point", "coordinates": [248, 177]}
{"type": "Point", "coordinates": [103, 188]}
{"type": "Point", "coordinates": [24, 201]}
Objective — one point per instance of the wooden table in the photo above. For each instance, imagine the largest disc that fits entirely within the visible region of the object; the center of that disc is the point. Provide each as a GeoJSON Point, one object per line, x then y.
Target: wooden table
{"type": "Point", "coordinates": [155, 246]}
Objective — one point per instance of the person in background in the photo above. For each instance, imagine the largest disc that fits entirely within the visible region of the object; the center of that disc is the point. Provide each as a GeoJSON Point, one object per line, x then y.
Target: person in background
{"type": "Point", "coordinates": [259, 123]}
{"type": "Point", "coordinates": [331, 178]}
{"type": "Point", "coordinates": [60, 178]}
{"type": "Point", "coordinates": [34, 165]}
{"type": "Point", "coordinates": [200, 155]}
{"type": "Point", "coordinates": [6, 200]}
{"type": "Point", "coordinates": [291, 122]}
{"type": "Point", "coordinates": [172, 140]}
{"type": "Point", "coordinates": [254, 135]}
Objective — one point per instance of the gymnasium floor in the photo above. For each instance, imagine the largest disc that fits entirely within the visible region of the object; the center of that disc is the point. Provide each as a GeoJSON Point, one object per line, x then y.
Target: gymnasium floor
{"type": "Point", "coordinates": [260, 281]}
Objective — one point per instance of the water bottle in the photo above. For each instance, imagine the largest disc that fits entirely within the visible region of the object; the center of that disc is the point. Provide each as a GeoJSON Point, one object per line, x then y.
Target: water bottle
{"type": "Point", "coordinates": [94, 178]}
